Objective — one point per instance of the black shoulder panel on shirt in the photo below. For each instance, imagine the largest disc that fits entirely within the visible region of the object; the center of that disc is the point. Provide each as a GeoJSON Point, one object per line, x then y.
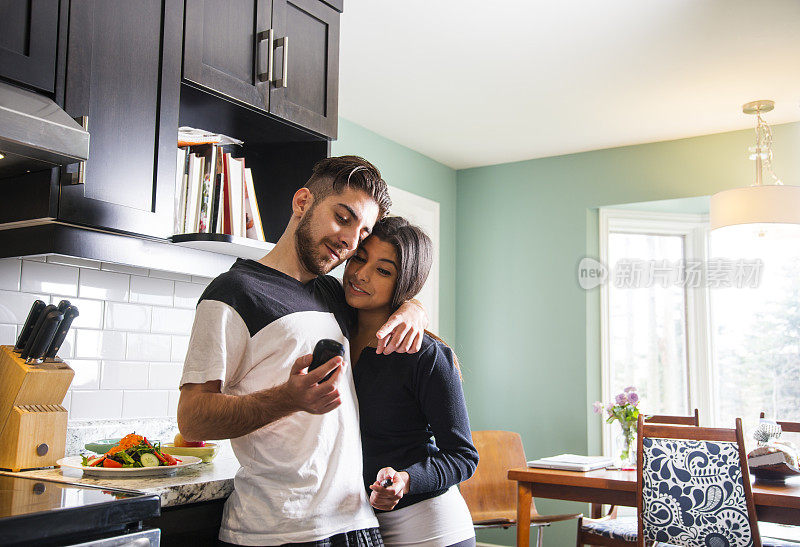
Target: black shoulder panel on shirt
{"type": "Point", "coordinates": [261, 295]}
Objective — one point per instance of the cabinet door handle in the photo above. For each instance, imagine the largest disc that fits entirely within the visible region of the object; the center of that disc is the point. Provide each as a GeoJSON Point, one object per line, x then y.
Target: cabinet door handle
{"type": "Point", "coordinates": [284, 43]}
{"type": "Point", "coordinates": [77, 175]}
{"type": "Point", "coordinates": [267, 35]}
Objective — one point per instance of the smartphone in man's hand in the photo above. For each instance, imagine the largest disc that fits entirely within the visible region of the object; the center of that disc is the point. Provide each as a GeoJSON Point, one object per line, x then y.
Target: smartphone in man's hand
{"type": "Point", "coordinates": [325, 350]}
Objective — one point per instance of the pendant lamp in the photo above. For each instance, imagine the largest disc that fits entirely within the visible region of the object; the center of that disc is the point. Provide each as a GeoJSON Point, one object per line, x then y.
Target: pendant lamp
{"type": "Point", "coordinates": [772, 202]}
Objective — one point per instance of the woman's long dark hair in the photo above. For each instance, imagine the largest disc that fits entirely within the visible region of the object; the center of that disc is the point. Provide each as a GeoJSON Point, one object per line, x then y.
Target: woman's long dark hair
{"type": "Point", "coordinates": [415, 255]}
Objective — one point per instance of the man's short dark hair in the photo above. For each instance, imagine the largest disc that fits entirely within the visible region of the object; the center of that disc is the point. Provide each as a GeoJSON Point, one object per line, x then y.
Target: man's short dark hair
{"type": "Point", "coordinates": [333, 175]}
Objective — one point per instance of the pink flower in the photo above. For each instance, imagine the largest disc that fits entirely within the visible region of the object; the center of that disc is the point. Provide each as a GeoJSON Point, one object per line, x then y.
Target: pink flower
{"type": "Point", "coordinates": [609, 407]}
{"type": "Point", "coordinates": [629, 389]}
{"type": "Point", "coordinates": [597, 407]}
{"type": "Point", "coordinates": [621, 399]}
{"type": "Point", "coordinates": [633, 398]}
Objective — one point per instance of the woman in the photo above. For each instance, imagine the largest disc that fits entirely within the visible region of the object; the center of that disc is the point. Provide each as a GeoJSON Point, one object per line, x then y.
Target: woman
{"type": "Point", "coordinates": [406, 399]}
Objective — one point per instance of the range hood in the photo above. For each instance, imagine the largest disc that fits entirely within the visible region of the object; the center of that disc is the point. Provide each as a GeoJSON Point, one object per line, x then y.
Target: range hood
{"type": "Point", "coordinates": [35, 133]}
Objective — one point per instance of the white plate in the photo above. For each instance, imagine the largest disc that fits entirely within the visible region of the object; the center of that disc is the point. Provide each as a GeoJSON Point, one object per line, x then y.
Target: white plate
{"type": "Point", "coordinates": [74, 462]}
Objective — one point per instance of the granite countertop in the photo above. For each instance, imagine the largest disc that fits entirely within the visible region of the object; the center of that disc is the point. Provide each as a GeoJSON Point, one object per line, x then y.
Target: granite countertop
{"type": "Point", "coordinates": [202, 482]}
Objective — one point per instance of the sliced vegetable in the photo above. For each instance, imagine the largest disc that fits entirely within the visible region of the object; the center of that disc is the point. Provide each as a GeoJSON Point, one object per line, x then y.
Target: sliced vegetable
{"type": "Point", "coordinates": [108, 462]}
{"type": "Point", "coordinates": [96, 462]}
{"type": "Point", "coordinates": [149, 460]}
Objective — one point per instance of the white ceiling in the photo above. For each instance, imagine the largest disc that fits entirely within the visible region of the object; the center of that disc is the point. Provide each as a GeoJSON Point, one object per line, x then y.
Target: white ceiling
{"type": "Point", "coordinates": [473, 83]}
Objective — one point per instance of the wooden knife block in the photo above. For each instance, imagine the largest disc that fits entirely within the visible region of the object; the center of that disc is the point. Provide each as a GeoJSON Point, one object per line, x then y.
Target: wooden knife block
{"type": "Point", "coordinates": [33, 424]}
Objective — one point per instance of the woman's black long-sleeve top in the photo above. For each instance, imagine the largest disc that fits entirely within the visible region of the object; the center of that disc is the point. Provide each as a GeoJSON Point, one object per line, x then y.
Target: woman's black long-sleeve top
{"type": "Point", "coordinates": [414, 419]}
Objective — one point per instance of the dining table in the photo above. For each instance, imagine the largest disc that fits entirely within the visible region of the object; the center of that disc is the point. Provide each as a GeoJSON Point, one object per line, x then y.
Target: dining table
{"type": "Point", "coordinates": [778, 503]}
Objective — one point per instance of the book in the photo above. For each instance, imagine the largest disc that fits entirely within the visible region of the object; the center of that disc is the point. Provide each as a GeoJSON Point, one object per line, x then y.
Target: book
{"type": "Point", "coordinates": [193, 193]}
{"type": "Point", "coordinates": [235, 173]}
{"type": "Point", "coordinates": [572, 462]}
{"type": "Point", "coordinates": [209, 153]}
{"type": "Point", "coordinates": [253, 226]}
{"type": "Point", "coordinates": [180, 190]}
{"type": "Point", "coordinates": [226, 196]}
{"type": "Point", "coordinates": [771, 458]}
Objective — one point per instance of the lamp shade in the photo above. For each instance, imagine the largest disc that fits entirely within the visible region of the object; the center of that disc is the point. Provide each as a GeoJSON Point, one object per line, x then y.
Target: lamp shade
{"type": "Point", "coordinates": [768, 203]}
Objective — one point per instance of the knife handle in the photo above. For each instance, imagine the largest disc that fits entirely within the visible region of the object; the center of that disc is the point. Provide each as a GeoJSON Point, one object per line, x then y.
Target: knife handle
{"type": "Point", "coordinates": [61, 333]}
{"type": "Point", "coordinates": [63, 305]}
{"type": "Point", "coordinates": [26, 352]}
{"type": "Point", "coordinates": [45, 336]}
{"type": "Point", "coordinates": [30, 322]}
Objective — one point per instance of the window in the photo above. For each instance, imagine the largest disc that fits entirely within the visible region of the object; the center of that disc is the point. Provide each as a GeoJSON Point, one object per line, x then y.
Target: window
{"type": "Point", "coordinates": [653, 326]}
{"type": "Point", "coordinates": [725, 341]}
{"type": "Point", "coordinates": [756, 329]}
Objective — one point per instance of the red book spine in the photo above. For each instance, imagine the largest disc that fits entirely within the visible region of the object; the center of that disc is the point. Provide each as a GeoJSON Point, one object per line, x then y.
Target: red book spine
{"type": "Point", "coordinates": [226, 191]}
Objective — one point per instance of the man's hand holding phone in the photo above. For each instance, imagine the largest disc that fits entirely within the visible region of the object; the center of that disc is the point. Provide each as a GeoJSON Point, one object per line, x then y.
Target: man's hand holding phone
{"type": "Point", "coordinates": [311, 391]}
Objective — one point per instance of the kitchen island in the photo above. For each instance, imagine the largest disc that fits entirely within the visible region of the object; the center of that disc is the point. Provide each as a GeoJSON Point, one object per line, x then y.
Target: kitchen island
{"type": "Point", "coordinates": [191, 500]}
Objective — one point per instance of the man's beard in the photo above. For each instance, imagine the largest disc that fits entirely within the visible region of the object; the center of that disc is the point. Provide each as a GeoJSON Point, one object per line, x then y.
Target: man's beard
{"type": "Point", "coordinates": [310, 257]}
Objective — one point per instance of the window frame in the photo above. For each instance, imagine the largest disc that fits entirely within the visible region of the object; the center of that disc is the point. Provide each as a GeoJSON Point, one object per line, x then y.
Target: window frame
{"type": "Point", "coordinates": [694, 228]}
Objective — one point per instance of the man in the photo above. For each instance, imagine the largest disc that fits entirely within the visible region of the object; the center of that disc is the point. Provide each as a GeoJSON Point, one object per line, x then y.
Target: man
{"type": "Point", "coordinates": [245, 377]}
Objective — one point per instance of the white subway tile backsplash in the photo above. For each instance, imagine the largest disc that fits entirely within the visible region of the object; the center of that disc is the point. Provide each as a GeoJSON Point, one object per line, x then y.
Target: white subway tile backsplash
{"type": "Point", "coordinates": [49, 278]}
{"type": "Point", "coordinates": [124, 375]}
{"type": "Point", "coordinates": [67, 350]}
{"type": "Point", "coordinates": [187, 294]}
{"type": "Point", "coordinates": [172, 321]}
{"type": "Point", "coordinates": [103, 285]}
{"type": "Point", "coordinates": [165, 375]}
{"type": "Point", "coordinates": [180, 345]}
{"type": "Point", "coordinates": [96, 405]}
{"type": "Point", "coordinates": [72, 261]}
{"type": "Point", "coordinates": [9, 273]}
{"type": "Point", "coordinates": [90, 312]}
{"type": "Point", "coordinates": [150, 290]}
{"type": "Point", "coordinates": [15, 306]}
{"type": "Point", "coordinates": [174, 276]}
{"type": "Point", "coordinates": [148, 347]}
{"type": "Point", "coordinates": [8, 334]}
{"type": "Point", "coordinates": [128, 344]}
{"type": "Point", "coordinates": [99, 344]}
{"type": "Point", "coordinates": [87, 374]}
{"type": "Point", "coordinates": [145, 404]}
{"type": "Point", "coordinates": [123, 268]}
{"type": "Point", "coordinates": [128, 317]}
{"type": "Point", "coordinates": [172, 408]}
{"type": "Point", "coordinates": [67, 400]}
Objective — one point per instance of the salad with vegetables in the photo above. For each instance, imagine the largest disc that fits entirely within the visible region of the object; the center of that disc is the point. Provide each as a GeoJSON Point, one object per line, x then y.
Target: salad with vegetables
{"type": "Point", "coordinates": [132, 451]}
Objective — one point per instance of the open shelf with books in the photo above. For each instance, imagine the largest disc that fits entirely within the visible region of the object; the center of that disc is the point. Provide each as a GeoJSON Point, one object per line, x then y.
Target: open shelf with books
{"type": "Point", "coordinates": [236, 174]}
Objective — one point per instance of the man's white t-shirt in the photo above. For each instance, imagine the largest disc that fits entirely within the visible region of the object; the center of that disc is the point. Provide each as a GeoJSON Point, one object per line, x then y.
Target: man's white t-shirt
{"type": "Point", "coordinates": [301, 477]}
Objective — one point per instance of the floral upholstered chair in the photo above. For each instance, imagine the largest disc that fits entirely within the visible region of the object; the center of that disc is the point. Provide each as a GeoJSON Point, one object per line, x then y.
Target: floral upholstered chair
{"type": "Point", "coordinates": [695, 488]}
{"type": "Point", "coordinates": [621, 531]}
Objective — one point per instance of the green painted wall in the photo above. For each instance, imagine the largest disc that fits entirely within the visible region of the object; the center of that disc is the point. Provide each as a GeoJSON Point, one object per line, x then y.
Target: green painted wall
{"type": "Point", "coordinates": [411, 171]}
{"type": "Point", "coordinates": [528, 337]}
{"type": "Point", "coordinates": [527, 334]}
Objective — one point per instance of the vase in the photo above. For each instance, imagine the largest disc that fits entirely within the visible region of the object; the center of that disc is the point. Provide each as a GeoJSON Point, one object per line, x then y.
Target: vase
{"type": "Point", "coordinates": [626, 447]}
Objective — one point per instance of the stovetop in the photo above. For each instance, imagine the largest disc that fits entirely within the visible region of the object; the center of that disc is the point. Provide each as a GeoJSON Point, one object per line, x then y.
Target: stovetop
{"type": "Point", "coordinates": [21, 496]}
{"type": "Point", "coordinates": [36, 510]}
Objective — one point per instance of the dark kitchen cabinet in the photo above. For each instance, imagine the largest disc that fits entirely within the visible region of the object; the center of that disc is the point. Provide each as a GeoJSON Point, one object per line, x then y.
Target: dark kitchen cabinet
{"type": "Point", "coordinates": [223, 50]}
{"type": "Point", "coordinates": [122, 74]}
{"type": "Point", "coordinates": [305, 90]}
{"type": "Point", "coordinates": [28, 36]}
{"type": "Point", "coordinates": [281, 56]}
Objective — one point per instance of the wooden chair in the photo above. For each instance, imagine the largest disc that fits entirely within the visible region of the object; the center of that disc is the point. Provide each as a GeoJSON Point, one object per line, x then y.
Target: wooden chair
{"type": "Point", "coordinates": [610, 529]}
{"type": "Point", "coordinates": [664, 457]}
{"type": "Point", "coordinates": [490, 496]}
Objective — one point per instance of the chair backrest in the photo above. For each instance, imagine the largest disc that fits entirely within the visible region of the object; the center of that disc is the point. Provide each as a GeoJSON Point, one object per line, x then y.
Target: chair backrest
{"type": "Point", "coordinates": [694, 486]}
{"type": "Point", "coordinates": [489, 491]}
{"type": "Point", "coordinates": [791, 427]}
{"type": "Point", "coordinates": [676, 420]}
